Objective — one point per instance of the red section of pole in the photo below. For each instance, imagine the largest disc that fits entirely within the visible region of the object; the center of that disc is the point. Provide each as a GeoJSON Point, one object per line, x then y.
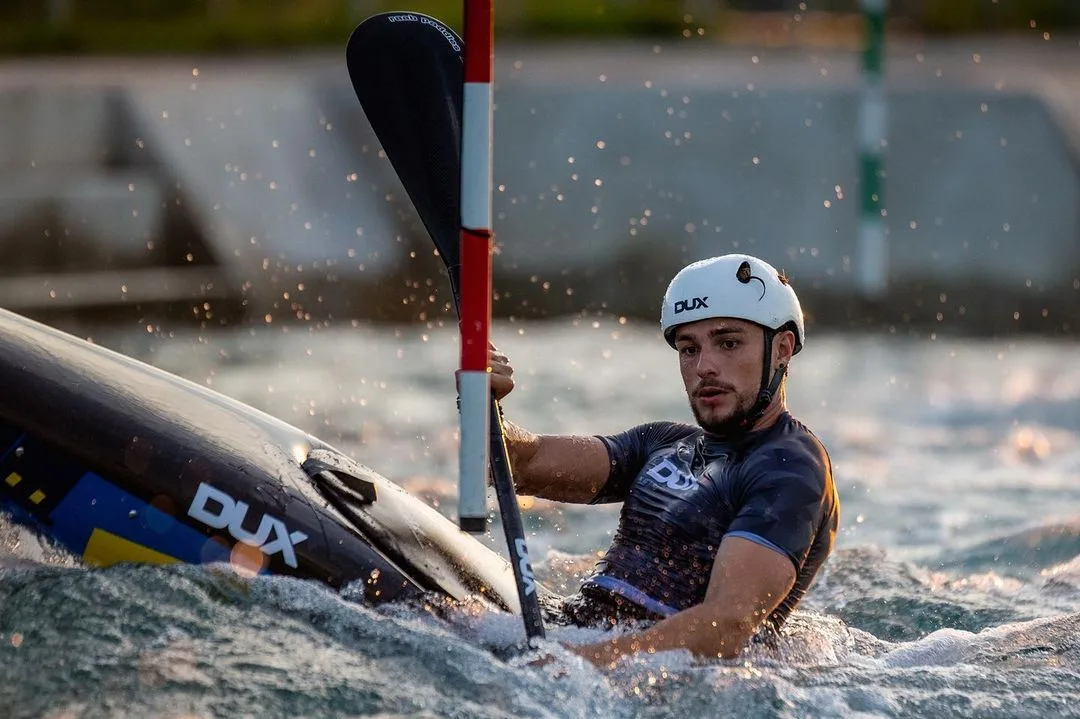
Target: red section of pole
{"type": "Point", "coordinates": [479, 45]}
{"type": "Point", "coordinates": [476, 235]}
{"type": "Point", "coordinates": [475, 298]}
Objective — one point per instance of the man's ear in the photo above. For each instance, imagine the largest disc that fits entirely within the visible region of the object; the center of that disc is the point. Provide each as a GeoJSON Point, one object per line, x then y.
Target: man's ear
{"type": "Point", "coordinates": [784, 347]}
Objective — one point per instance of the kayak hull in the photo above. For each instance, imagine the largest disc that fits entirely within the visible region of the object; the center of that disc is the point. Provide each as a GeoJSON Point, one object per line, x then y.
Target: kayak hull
{"type": "Point", "coordinates": [118, 461]}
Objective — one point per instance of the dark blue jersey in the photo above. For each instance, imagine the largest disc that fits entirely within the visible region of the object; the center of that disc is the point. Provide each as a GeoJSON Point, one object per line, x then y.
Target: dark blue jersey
{"type": "Point", "coordinates": [684, 491]}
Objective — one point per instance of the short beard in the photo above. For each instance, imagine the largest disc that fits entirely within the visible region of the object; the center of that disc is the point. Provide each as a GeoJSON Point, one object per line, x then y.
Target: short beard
{"type": "Point", "coordinates": [734, 423]}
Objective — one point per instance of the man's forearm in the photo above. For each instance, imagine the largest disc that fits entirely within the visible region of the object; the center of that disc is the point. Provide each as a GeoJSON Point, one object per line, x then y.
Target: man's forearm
{"type": "Point", "coordinates": [521, 446]}
{"type": "Point", "coordinates": [702, 630]}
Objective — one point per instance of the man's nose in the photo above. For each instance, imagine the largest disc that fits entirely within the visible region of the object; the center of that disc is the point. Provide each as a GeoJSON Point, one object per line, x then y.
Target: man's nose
{"type": "Point", "coordinates": [707, 363]}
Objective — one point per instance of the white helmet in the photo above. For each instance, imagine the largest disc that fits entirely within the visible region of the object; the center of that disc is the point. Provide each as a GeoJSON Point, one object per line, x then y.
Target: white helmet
{"type": "Point", "coordinates": [737, 286]}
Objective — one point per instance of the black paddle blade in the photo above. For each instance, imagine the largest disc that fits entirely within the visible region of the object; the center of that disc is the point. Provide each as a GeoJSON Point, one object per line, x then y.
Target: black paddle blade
{"type": "Point", "coordinates": [408, 73]}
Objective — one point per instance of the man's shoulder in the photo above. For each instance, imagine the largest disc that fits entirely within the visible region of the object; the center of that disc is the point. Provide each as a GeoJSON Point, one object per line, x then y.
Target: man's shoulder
{"type": "Point", "coordinates": [790, 435]}
{"type": "Point", "coordinates": [660, 432]}
{"type": "Point", "coordinates": [789, 446]}
{"type": "Point", "coordinates": [643, 440]}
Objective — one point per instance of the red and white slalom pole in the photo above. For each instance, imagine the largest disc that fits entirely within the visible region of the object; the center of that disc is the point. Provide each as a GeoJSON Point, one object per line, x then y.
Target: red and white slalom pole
{"type": "Point", "coordinates": [477, 245]}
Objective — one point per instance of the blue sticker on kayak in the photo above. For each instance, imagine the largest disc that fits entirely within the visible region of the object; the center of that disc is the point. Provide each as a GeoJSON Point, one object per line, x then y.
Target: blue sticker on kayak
{"type": "Point", "coordinates": [90, 516]}
{"type": "Point", "coordinates": [107, 525]}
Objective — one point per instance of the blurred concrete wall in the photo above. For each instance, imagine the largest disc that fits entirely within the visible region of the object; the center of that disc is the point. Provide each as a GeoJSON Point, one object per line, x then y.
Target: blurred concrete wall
{"type": "Point", "coordinates": [268, 170]}
{"type": "Point", "coordinates": [611, 173]}
{"type": "Point", "coordinates": [59, 184]}
{"type": "Point", "coordinates": [982, 193]}
{"type": "Point", "coordinates": [971, 186]}
{"type": "Point", "coordinates": [242, 188]}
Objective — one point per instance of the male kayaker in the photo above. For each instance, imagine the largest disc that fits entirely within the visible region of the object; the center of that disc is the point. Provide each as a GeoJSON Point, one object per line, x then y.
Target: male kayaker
{"type": "Point", "coordinates": [724, 524]}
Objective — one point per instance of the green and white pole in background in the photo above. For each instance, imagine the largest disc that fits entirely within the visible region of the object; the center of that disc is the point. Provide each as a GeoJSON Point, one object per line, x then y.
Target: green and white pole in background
{"type": "Point", "coordinates": [872, 252]}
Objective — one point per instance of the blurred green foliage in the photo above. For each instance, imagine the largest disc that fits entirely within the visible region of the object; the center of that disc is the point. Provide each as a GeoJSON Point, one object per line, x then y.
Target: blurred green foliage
{"type": "Point", "coordinates": [955, 16]}
{"type": "Point", "coordinates": [222, 26]}
{"type": "Point", "coordinates": [947, 16]}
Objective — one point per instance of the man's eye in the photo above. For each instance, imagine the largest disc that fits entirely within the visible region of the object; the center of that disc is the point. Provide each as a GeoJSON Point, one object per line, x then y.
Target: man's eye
{"type": "Point", "coordinates": [730, 344]}
{"type": "Point", "coordinates": [688, 351]}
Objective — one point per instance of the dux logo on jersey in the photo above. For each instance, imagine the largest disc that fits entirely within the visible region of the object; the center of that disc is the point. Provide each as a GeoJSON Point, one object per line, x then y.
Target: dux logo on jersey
{"type": "Point", "coordinates": [217, 509]}
{"type": "Point", "coordinates": [669, 474]}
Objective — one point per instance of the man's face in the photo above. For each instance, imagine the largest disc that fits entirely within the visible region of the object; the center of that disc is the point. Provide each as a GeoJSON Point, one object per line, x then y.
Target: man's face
{"type": "Point", "coordinates": [720, 360]}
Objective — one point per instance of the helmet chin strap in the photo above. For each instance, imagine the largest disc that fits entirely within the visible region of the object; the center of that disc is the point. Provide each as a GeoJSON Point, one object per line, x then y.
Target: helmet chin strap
{"type": "Point", "coordinates": [769, 385]}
